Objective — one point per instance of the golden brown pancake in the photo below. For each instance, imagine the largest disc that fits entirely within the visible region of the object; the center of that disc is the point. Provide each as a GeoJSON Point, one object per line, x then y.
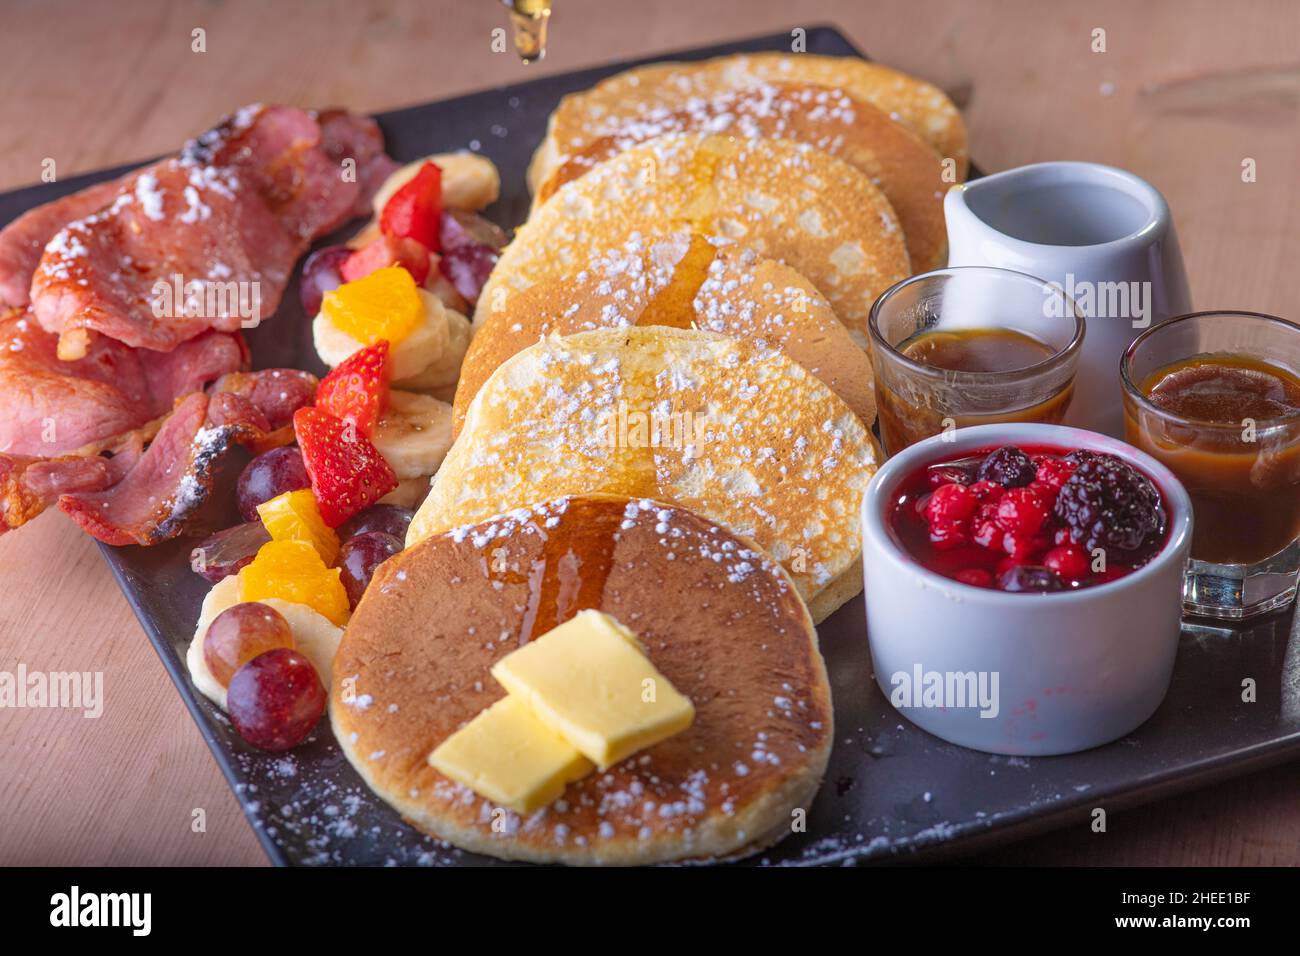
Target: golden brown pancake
{"type": "Point", "coordinates": [734, 637]}
{"type": "Point", "coordinates": [586, 116]}
{"type": "Point", "coordinates": [907, 170]}
{"type": "Point", "coordinates": [681, 280]}
{"type": "Point", "coordinates": [719, 426]}
{"type": "Point", "coordinates": [788, 201]}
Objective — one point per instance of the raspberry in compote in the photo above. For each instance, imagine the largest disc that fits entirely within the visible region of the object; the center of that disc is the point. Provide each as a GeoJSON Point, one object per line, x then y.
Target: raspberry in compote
{"type": "Point", "coordinates": [1030, 520]}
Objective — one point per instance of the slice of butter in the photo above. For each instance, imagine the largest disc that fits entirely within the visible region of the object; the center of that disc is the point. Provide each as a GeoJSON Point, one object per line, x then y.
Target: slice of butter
{"type": "Point", "coordinates": [589, 681]}
{"type": "Point", "coordinates": [507, 755]}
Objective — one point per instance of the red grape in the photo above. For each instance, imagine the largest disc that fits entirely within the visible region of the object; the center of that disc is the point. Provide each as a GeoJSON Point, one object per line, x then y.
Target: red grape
{"type": "Point", "coordinates": [458, 228]}
{"type": "Point", "coordinates": [276, 699]}
{"type": "Point", "coordinates": [468, 268]}
{"type": "Point", "coordinates": [268, 476]}
{"type": "Point", "coordinates": [240, 633]}
{"type": "Point", "coordinates": [470, 248]}
{"type": "Point", "coordinates": [225, 552]}
{"type": "Point", "coordinates": [390, 519]}
{"type": "Point", "coordinates": [320, 274]}
{"type": "Point", "coordinates": [359, 557]}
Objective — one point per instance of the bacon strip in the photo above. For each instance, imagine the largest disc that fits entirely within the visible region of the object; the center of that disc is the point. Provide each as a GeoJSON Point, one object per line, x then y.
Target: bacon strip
{"type": "Point", "coordinates": [155, 497]}
{"type": "Point", "coordinates": [53, 408]}
{"type": "Point", "coordinates": [163, 492]}
{"type": "Point", "coordinates": [23, 241]}
{"type": "Point", "coordinates": [30, 485]}
{"type": "Point", "coordinates": [100, 356]}
{"type": "Point", "coordinates": [225, 220]}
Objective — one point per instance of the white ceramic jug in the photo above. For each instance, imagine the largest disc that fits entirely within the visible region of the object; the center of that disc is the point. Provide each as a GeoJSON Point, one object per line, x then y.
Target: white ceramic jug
{"type": "Point", "coordinates": [1104, 235]}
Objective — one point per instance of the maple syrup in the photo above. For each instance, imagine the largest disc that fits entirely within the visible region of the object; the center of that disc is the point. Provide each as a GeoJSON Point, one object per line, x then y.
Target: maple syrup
{"type": "Point", "coordinates": [528, 20]}
{"type": "Point", "coordinates": [673, 304]}
{"type": "Point", "coordinates": [577, 556]}
{"type": "Point", "coordinates": [1224, 390]}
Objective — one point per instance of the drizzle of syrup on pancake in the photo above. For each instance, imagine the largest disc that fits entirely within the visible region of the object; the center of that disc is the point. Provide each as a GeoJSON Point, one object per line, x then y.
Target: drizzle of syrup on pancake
{"type": "Point", "coordinates": [570, 575]}
{"type": "Point", "coordinates": [699, 211]}
{"type": "Point", "coordinates": [672, 305]}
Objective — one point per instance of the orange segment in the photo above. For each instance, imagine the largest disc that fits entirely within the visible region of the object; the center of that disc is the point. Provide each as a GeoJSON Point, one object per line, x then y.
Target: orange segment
{"type": "Point", "coordinates": [293, 516]}
{"type": "Point", "coordinates": [382, 305]}
{"type": "Point", "coordinates": [292, 571]}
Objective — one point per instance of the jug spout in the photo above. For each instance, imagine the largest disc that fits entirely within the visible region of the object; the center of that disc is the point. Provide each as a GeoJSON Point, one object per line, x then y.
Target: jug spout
{"type": "Point", "coordinates": [1102, 234]}
{"type": "Point", "coordinates": [1039, 215]}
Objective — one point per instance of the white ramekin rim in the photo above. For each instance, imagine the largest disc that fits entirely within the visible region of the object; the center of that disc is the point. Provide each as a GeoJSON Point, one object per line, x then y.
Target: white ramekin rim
{"type": "Point", "coordinates": [879, 493]}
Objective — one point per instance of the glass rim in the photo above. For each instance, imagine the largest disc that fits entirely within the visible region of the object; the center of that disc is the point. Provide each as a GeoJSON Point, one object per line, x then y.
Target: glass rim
{"type": "Point", "coordinates": [1072, 348]}
{"type": "Point", "coordinates": [1133, 391]}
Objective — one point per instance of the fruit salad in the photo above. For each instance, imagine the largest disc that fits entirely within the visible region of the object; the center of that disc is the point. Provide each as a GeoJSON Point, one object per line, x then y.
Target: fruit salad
{"type": "Point", "coordinates": [314, 530]}
{"type": "Point", "coordinates": [311, 542]}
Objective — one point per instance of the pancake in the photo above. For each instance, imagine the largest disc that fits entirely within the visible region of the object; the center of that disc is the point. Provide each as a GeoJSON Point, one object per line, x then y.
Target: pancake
{"type": "Point", "coordinates": [788, 201]}
{"type": "Point", "coordinates": [745, 436]}
{"type": "Point", "coordinates": [586, 116]}
{"type": "Point", "coordinates": [680, 280]}
{"type": "Point", "coordinates": [414, 666]}
{"type": "Point", "coordinates": [907, 170]}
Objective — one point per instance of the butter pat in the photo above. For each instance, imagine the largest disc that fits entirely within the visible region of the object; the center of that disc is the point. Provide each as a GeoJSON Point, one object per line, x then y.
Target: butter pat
{"type": "Point", "coordinates": [589, 681]}
{"type": "Point", "coordinates": [507, 755]}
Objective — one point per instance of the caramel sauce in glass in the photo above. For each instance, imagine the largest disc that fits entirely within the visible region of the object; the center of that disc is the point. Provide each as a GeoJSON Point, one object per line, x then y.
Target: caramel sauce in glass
{"type": "Point", "coordinates": [992, 350]}
{"type": "Point", "coordinates": [1233, 440]}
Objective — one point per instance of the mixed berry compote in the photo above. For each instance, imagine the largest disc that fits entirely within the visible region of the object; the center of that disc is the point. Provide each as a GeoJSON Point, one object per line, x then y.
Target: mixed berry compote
{"type": "Point", "coordinates": [1030, 519]}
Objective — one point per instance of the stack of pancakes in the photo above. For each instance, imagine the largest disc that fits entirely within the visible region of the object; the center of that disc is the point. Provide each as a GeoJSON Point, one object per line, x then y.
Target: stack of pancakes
{"type": "Point", "coordinates": [664, 413]}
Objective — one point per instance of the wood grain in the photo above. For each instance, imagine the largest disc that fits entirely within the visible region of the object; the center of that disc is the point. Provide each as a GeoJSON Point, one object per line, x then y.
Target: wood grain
{"type": "Point", "coordinates": [94, 84]}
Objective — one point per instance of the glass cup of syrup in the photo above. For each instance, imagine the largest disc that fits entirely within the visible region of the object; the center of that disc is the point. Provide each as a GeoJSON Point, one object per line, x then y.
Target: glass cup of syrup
{"type": "Point", "coordinates": [971, 346]}
{"type": "Point", "coordinates": [1215, 396]}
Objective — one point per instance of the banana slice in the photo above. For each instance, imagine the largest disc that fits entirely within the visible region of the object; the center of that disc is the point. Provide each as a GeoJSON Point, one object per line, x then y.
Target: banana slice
{"type": "Point", "coordinates": [414, 433]}
{"type": "Point", "coordinates": [439, 378]}
{"type": "Point", "coordinates": [409, 493]}
{"type": "Point", "coordinates": [441, 286]}
{"type": "Point", "coordinates": [469, 181]}
{"type": "Point", "coordinates": [314, 635]}
{"type": "Point", "coordinates": [426, 344]}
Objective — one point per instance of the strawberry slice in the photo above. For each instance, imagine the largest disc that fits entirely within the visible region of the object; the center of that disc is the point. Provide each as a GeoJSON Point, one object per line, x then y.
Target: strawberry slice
{"type": "Point", "coordinates": [357, 391]}
{"type": "Point", "coordinates": [413, 211]}
{"type": "Point", "coordinates": [347, 472]}
{"type": "Point", "coordinates": [387, 251]}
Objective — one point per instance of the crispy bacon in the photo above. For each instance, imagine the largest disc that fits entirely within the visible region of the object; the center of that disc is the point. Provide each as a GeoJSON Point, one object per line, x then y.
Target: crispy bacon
{"type": "Point", "coordinates": [91, 371]}
{"type": "Point", "coordinates": [345, 136]}
{"type": "Point", "coordinates": [30, 485]}
{"type": "Point", "coordinates": [229, 216]}
{"type": "Point", "coordinates": [163, 492]}
{"type": "Point", "coordinates": [264, 400]}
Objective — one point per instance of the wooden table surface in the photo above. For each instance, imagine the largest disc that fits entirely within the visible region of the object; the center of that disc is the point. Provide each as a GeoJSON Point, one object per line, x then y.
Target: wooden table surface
{"type": "Point", "coordinates": [92, 84]}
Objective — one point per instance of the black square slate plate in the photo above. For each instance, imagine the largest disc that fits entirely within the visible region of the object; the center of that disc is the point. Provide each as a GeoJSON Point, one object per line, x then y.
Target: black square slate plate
{"type": "Point", "coordinates": [891, 790]}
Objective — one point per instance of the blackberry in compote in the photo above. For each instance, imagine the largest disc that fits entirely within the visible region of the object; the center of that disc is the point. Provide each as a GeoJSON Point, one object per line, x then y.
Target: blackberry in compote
{"type": "Point", "coordinates": [1008, 466]}
{"type": "Point", "coordinates": [1107, 503]}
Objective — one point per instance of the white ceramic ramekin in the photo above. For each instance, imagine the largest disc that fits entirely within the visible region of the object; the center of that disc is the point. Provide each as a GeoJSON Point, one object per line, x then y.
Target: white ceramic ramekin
{"type": "Point", "coordinates": [1074, 669]}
